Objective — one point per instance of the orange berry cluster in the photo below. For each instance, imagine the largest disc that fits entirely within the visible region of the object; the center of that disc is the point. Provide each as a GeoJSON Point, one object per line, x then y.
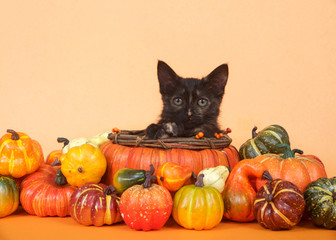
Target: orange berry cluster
{"type": "Point", "coordinates": [116, 130]}
{"type": "Point", "coordinates": [219, 135]}
{"type": "Point", "coordinates": [199, 135]}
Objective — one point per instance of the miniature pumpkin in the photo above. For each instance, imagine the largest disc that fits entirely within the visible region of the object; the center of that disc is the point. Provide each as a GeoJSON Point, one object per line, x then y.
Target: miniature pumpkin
{"type": "Point", "coordinates": [119, 157]}
{"type": "Point", "coordinates": [19, 154]}
{"type": "Point", "coordinates": [95, 204]}
{"type": "Point", "coordinates": [9, 196]}
{"type": "Point", "coordinates": [279, 204]}
{"type": "Point", "coordinates": [83, 164]}
{"type": "Point", "coordinates": [246, 179]}
{"type": "Point", "coordinates": [52, 156]}
{"type": "Point", "coordinates": [42, 196]}
{"type": "Point", "coordinates": [215, 177]}
{"type": "Point", "coordinates": [173, 176]}
{"type": "Point", "coordinates": [266, 141]}
{"type": "Point", "coordinates": [147, 206]}
{"type": "Point", "coordinates": [197, 206]}
{"type": "Point", "coordinates": [320, 196]}
{"type": "Point", "coordinates": [127, 177]}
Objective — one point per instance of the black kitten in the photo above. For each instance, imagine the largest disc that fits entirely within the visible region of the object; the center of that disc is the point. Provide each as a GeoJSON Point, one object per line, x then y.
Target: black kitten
{"type": "Point", "coordinates": [190, 105]}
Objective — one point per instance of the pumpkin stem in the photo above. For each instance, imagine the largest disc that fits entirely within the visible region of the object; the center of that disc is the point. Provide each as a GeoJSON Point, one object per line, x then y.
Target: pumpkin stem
{"type": "Point", "coordinates": [193, 175]}
{"type": "Point", "coordinates": [297, 151]}
{"type": "Point", "coordinates": [269, 197]}
{"type": "Point", "coordinates": [60, 178]}
{"type": "Point", "coordinates": [266, 175]}
{"type": "Point", "coordinates": [199, 182]}
{"type": "Point", "coordinates": [254, 132]}
{"type": "Point", "coordinates": [288, 152]}
{"type": "Point", "coordinates": [149, 177]}
{"type": "Point", "coordinates": [109, 190]}
{"type": "Point", "coordinates": [57, 162]}
{"type": "Point", "coordinates": [63, 140]}
{"type": "Point", "coordinates": [80, 169]}
{"type": "Point", "coordinates": [15, 135]}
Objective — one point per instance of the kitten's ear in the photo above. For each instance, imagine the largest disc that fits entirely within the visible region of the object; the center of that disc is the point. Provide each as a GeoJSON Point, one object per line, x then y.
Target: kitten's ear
{"type": "Point", "coordinates": [167, 77]}
{"type": "Point", "coordinates": [217, 79]}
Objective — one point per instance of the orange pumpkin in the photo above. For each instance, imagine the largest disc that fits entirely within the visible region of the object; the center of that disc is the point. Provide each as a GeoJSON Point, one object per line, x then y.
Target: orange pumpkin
{"type": "Point", "coordinates": [41, 195]}
{"type": "Point", "coordinates": [119, 157]}
{"type": "Point", "coordinates": [19, 154]}
{"type": "Point", "coordinates": [52, 156]}
{"type": "Point", "coordinates": [247, 178]}
{"type": "Point", "coordinates": [173, 176]}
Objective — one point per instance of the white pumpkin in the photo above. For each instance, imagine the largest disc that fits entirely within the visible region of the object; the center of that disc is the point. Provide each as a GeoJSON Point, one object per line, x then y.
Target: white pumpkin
{"type": "Point", "coordinates": [99, 139]}
{"type": "Point", "coordinates": [95, 141]}
{"type": "Point", "coordinates": [215, 177]}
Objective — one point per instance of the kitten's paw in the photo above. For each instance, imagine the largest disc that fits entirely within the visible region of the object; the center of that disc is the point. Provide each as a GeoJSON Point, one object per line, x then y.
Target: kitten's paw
{"type": "Point", "coordinates": [163, 130]}
{"type": "Point", "coordinates": [171, 128]}
{"type": "Point", "coordinates": [155, 131]}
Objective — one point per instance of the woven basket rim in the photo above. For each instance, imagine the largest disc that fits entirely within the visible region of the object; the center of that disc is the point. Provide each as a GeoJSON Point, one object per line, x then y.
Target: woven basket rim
{"type": "Point", "coordinates": [132, 139]}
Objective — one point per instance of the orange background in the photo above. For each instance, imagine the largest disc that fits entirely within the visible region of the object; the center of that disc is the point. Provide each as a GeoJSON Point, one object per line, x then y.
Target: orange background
{"type": "Point", "coordinates": [79, 68]}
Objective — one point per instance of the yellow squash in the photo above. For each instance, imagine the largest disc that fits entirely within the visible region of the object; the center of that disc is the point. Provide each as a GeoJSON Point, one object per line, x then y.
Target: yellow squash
{"type": "Point", "coordinates": [83, 164]}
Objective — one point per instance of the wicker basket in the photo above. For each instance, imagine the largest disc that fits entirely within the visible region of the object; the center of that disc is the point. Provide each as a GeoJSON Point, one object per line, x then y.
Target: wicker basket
{"type": "Point", "coordinates": [139, 139]}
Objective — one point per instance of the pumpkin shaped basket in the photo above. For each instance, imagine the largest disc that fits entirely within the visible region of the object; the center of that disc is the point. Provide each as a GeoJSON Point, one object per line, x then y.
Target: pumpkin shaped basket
{"type": "Point", "coordinates": [132, 149]}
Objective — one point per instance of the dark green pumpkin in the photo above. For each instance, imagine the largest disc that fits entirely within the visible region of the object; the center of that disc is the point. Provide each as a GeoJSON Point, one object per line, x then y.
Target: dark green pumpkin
{"type": "Point", "coordinates": [320, 197]}
{"type": "Point", "coordinates": [127, 177]}
{"type": "Point", "coordinates": [265, 141]}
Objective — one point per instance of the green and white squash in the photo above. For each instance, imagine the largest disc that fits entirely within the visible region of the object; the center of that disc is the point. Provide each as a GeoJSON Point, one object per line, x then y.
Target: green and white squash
{"type": "Point", "coordinates": [320, 197]}
{"type": "Point", "coordinates": [266, 141]}
{"type": "Point", "coordinates": [215, 177]}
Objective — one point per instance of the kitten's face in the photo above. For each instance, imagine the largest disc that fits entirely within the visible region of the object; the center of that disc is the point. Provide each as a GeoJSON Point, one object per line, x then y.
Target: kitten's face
{"type": "Point", "coordinates": [191, 101]}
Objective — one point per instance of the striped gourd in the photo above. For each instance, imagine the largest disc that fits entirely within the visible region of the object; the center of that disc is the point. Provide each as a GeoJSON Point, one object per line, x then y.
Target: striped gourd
{"type": "Point", "coordinates": [320, 197]}
{"type": "Point", "coordinates": [265, 141]}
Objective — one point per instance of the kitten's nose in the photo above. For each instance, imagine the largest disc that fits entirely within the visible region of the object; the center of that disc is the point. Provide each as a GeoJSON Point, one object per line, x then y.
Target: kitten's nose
{"type": "Point", "coordinates": [189, 113]}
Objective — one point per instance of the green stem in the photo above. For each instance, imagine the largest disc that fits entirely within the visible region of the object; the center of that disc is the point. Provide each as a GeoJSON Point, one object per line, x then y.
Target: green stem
{"type": "Point", "coordinates": [288, 152]}
{"type": "Point", "coordinates": [60, 178]}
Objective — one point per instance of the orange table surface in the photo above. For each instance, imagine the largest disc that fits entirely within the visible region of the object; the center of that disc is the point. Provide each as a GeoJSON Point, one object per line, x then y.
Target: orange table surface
{"type": "Point", "coordinates": [20, 225]}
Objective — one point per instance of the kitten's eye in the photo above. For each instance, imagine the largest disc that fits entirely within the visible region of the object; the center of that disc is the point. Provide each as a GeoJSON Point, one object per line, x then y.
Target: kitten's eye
{"type": "Point", "coordinates": [178, 101]}
{"type": "Point", "coordinates": [202, 102]}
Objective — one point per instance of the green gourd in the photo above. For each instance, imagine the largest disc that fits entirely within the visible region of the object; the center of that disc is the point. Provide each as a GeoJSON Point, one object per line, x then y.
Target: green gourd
{"type": "Point", "coordinates": [9, 196]}
{"type": "Point", "coordinates": [320, 197]}
{"type": "Point", "coordinates": [265, 141]}
{"type": "Point", "coordinates": [127, 177]}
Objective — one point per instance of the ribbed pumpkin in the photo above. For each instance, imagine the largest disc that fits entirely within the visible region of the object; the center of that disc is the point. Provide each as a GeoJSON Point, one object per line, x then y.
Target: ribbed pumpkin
{"type": "Point", "coordinates": [320, 197]}
{"type": "Point", "coordinates": [118, 157]}
{"type": "Point", "coordinates": [42, 196]}
{"type": "Point", "coordinates": [266, 141]}
{"type": "Point", "coordinates": [83, 164]}
{"type": "Point", "coordinates": [197, 206]}
{"type": "Point", "coordinates": [147, 206]}
{"type": "Point", "coordinates": [246, 179]}
{"type": "Point", "coordinates": [279, 205]}
{"type": "Point", "coordinates": [95, 204]}
{"type": "Point", "coordinates": [19, 154]}
{"type": "Point", "coordinates": [9, 196]}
